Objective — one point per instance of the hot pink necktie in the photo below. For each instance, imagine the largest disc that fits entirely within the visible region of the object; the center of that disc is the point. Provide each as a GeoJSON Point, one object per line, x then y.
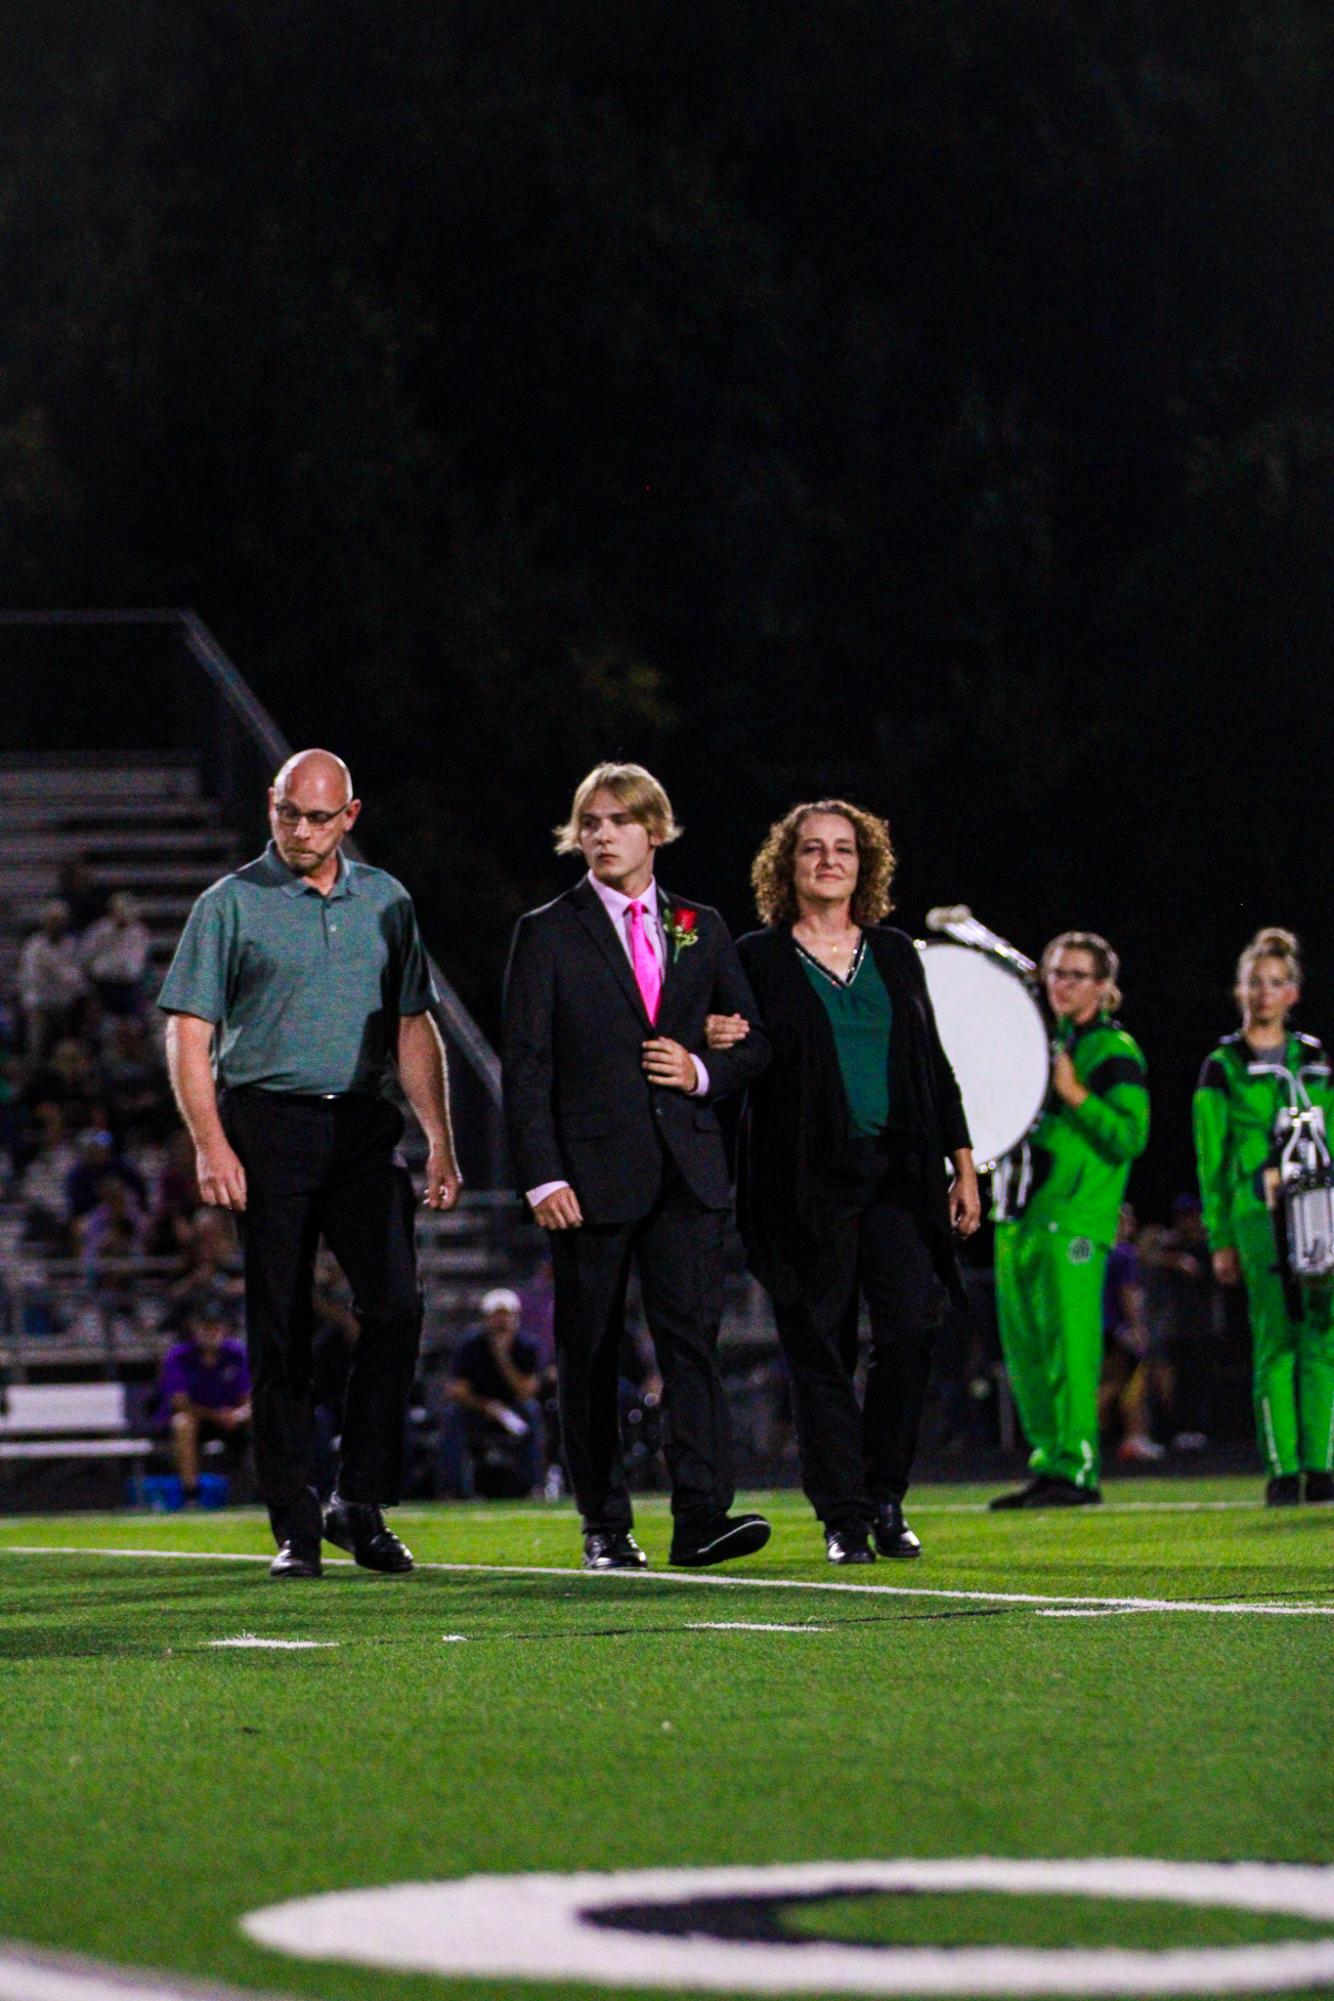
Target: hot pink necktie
{"type": "Point", "coordinates": [648, 974]}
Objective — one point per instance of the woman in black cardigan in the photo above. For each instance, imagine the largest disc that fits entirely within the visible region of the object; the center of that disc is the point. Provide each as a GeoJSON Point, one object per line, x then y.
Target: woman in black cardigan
{"type": "Point", "coordinates": [842, 1183]}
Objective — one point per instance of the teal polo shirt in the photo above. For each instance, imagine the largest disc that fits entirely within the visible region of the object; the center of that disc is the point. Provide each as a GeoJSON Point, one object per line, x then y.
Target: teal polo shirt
{"type": "Point", "coordinates": [305, 990]}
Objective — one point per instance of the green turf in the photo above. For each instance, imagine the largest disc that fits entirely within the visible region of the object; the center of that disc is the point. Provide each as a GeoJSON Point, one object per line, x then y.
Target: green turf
{"type": "Point", "coordinates": [153, 1789]}
{"type": "Point", "coordinates": [981, 1918]}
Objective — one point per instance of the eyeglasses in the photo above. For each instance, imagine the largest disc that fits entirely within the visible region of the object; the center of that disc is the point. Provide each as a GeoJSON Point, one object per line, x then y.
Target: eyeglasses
{"type": "Point", "coordinates": [290, 816]}
{"type": "Point", "coordinates": [1059, 974]}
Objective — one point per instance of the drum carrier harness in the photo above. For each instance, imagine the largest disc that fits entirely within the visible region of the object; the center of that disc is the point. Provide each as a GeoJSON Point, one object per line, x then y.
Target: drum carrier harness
{"type": "Point", "coordinates": [1299, 1182]}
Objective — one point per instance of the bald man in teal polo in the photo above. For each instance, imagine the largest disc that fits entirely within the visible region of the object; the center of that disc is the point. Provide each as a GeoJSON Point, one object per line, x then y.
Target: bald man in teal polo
{"type": "Point", "coordinates": [298, 988]}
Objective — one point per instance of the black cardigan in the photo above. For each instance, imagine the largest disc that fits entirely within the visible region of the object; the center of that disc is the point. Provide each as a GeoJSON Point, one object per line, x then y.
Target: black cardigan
{"type": "Point", "coordinates": [795, 1123]}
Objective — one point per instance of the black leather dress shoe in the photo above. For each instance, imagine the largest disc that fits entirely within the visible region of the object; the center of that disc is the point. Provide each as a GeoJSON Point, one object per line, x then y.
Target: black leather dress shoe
{"type": "Point", "coordinates": [297, 1559]}
{"type": "Point", "coordinates": [359, 1527]}
{"type": "Point", "coordinates": [892, 1535]}
{"type": "Point", "coordinates": [1018, 1497]}
{"type": "Point", "coordinates": [848, 1546]}
{"type": "Point", "coordinates": [718, 1540]}
{"type": "Point", "coordinates": [1048, 1492]}
{"type": "Point", "coordinates": [613, 1552]}
{"type": "Point", "coordinates": [296, 1530]}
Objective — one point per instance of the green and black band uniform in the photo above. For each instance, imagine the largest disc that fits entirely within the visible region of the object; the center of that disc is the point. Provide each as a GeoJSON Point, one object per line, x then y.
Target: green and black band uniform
{"type": "Point", "coordinates": [1051, 1258]}
{"type": "Point", "coordinates": [1292, 1326]}
{"type": "Point", "coordinates": [306, 992]}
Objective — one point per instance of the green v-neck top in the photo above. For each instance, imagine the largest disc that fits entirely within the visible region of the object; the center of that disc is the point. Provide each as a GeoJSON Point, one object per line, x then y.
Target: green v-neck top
{"type": "Point", "coordinates": [861, 1015]}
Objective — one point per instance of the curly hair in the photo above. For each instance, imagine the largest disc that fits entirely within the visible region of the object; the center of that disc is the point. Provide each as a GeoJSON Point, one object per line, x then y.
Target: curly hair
{"type": "Point", "coordinates": [773, 871]}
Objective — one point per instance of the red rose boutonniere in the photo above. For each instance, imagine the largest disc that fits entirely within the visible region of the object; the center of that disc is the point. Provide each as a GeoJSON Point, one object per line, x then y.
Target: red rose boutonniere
{"type": "Point", "coordinates": [680, 928]}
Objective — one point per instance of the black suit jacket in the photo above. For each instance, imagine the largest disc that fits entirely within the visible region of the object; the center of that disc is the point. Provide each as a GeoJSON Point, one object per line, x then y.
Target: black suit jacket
{"type": "Point", "coordinates": [578, 1106]}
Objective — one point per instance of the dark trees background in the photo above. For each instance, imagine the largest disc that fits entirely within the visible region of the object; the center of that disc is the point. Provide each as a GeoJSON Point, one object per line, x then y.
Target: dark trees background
{"type": "Point", "coordinates": [928, 401]}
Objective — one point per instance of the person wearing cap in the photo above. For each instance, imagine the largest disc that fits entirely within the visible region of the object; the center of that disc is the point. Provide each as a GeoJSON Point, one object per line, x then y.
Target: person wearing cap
{"type": "Point", "coordinates": [204, 1389]}
{"type": "Point", "coordinates": [299, 986]}
{"type": "Point", "coordinates": [492, 1413]}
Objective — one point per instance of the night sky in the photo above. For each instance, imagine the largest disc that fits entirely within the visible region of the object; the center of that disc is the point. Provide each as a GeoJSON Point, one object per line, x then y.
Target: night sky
{"type": "Point", "coordinates": [930, 403]}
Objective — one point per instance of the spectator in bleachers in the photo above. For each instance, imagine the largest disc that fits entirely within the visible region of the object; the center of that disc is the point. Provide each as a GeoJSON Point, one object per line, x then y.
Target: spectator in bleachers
{"type": "Point", "coordinates": [212, 1263]}
{"type": "Point", "coordinates": [204, 1388]}
{"type": "Point", "coordinates": [51, 981]}
{"type": "Point", "coordinates": [68, 1078]}
{"type": "Point", "coordinates": [81, 895]}
{"type": "Point", "coordinates": [134, 1076]}
{"type": "Point", "coordinates": [99, 1160]}
{"type": "Point", "coordinates": [175, 1200]}
{"type": "Point", "coordinates": [115, 1227]}
{"type": "Point", "coordinates": [491, 1437]}
{"type": "Point", "coordinates": [47, 1153]}
{"type": "Point", "coordinates": [115, 954]}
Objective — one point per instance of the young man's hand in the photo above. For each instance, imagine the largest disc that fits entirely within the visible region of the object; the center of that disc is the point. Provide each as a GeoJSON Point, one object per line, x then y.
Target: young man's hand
{"type": "Point", "coordinates": [668, 1063]}
{"type": "Point", "coordinates": [559, 1211]}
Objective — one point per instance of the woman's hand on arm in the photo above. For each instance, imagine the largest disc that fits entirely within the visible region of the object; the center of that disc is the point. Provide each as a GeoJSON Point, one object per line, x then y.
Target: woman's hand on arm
{"type": "Point", "coordinates": [722, 1031]}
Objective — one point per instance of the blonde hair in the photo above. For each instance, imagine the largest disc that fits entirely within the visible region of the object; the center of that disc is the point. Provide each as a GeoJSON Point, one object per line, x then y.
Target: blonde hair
{"type": "Point", "coordinates": [1271, 943]}
{"type": "Point", "coordinates": [1107, 963]}
{"type": "Point", "coordinates": [773, 871]}
{"type": "Point", "coordinates": [636, 789]}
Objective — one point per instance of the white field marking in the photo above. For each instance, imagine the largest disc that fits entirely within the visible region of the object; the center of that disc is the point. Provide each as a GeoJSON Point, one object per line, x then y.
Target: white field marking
{"type": "Point", "coordinates": [745, 1626]}
{"type": "Point", "coordinates": [280, 1646]}
{"type": "Point", "coordinates": [1086, 1612]}
{"type": "Point", "coordinates": [544, 1927]}
{"type": "Point", "coordinates": [28, 1974]}
{"type": "Point", "coordinates": [701, 1579]}
{"type": "Point", "coordinates": [453, 1638]}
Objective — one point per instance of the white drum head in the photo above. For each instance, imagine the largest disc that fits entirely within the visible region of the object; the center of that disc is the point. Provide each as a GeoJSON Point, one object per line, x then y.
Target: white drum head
{"type": "Point", "coordinates": [995, 1037]}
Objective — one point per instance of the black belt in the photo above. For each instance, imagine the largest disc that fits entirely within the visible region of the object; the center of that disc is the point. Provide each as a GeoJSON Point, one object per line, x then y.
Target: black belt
{"type": "Point", "coordinates": [302, 1097]}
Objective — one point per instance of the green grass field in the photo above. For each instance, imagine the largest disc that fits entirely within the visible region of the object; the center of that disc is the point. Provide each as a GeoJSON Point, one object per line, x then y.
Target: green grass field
{"type": "Point", "coordinates": [1148, 1679]}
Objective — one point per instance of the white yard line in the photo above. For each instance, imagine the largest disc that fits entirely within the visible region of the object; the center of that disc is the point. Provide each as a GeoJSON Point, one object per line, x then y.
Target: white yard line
{"type": "Point", "coordinates": [695, 1578]}
{"type": "Point", "coordinates": [280, 1646]}
{"type": "Point", "coordinates": [745, 1626]}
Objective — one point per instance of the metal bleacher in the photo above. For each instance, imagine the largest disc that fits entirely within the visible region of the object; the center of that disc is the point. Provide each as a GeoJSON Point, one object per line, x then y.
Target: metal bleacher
{"type": "Point", "coordinates": [140, 822]}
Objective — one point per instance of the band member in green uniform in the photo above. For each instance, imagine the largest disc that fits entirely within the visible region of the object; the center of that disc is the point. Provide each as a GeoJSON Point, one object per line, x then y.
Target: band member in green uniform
{"type": "Point", "coordinates": [1238, 1100]}
{"type": "Point", "coordinates": [1057, 1210]}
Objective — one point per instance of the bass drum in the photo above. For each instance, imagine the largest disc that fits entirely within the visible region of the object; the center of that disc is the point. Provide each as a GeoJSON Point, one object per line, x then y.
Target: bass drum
{"type": "Point", "coordinates": [995, 1036]}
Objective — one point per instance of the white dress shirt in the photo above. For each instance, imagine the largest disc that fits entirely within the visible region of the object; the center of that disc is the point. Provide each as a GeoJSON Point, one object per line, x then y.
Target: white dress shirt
{"type": "Point", "coordinates": [616, 906]}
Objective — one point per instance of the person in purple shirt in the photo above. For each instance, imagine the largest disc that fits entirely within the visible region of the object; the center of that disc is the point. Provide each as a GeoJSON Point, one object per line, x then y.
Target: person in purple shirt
{"type": "Point", "coordinates": [204, 1389]}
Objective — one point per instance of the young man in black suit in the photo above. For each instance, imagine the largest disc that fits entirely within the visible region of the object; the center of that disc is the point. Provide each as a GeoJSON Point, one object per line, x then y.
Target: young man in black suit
{"type": "Point", "coordinates": [618, 1152]}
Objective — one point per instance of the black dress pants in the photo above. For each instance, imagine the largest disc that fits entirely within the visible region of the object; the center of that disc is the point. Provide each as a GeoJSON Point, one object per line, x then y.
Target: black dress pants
{"type": "Point", "coordinates": [678, 1250]}
{"type": "Point", "coordinates": [854, 1457]}
{"type": "Point", "coordinates": [326, 1167]}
